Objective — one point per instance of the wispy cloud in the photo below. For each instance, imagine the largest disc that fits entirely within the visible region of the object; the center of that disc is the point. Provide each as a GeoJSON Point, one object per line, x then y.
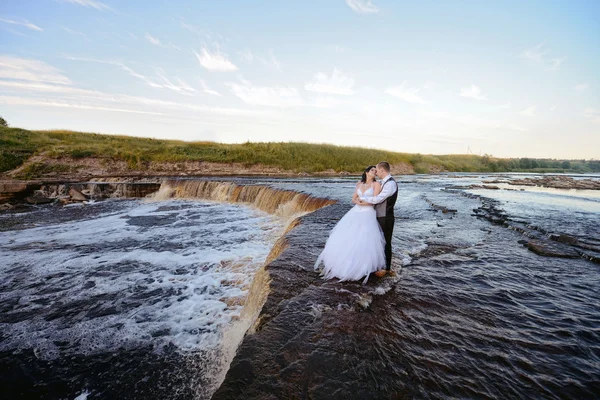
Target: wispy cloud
{"type": "Point", "coordinates": [265, 95]}
{"type": "Point", "coordinates": [528, 112]}
{"type": "Point", "coordinates": [215, 61]}
{"type": "Point", "coordinates": [94, 98]}
{"type": "Point", "coordinates": [21, 22]}
{"type": "Point", "coordinates": [582, 87]}
{"type": "Point", "coordinates": [153, 40]}
{"type": "Point", "coordinates": [505, 105]}
{"type": "Point", "coordinates": [410, 95]}
{"type": "Point", "coordinates": [473, 92]}
{"type": "Point", "coordinates": [176, 84]}
{"type": "Point", "coordinates": [363, 6]}
{"type": "Point", "coordinates": [121, 66]}
{"type": "Point", "coordinates": [474, 121]}
{"type": "Point", "coordinates": [24, 101]}
{"type": "Point", "coordinates": [30, 70]}
{"type": "Point", "coordinates": [592, 114]}
{"type": "Point", "coordinates": [270, 61]}
{"type": "Point", "coordinates": [90, 4]}
{"type": "Point", "coordinates": [73, 32]}
{"type": "Point", "coordinates": [538, 56]}
{"type": "Point", "coordinates": [190, 27]}
{"type": "Point", "coordinates": [208, 90]}
{"type": "Point", "coordinates": [338, 83]}
{"type": "Point", "coordinates": [179, 86]}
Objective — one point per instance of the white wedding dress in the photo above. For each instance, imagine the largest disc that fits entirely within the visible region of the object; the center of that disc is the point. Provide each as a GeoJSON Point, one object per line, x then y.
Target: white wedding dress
{"type": "Point", "coordinates": [355, 247]}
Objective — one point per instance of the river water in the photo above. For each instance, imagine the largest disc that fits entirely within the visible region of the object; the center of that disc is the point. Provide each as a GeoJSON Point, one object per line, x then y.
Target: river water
{"type": "Point", "coordinates": [133, 299]}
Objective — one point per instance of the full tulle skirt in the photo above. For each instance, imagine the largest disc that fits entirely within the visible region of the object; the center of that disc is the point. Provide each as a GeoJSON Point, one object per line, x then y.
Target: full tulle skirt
{"type": "Point", "coordinates": [355, 247]}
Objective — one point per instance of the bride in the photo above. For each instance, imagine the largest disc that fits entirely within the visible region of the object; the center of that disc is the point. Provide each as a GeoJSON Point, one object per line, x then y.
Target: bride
{"type": "Point", "coordinates": [355, 247]}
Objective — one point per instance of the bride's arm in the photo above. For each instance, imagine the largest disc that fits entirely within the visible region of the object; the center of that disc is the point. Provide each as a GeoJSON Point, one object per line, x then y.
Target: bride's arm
{"type": "Point", "coordinates": [376, 188]}
{"type": "Point", "coordinates": [355, 195]}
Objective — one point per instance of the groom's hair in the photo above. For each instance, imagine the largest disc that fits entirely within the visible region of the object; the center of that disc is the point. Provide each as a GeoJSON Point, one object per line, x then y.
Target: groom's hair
{"type": "Point", "coordinates": [385, 165]}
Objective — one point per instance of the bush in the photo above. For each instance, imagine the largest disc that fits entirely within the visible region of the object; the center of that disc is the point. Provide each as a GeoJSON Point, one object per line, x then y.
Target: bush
{"type": "Point", "coordinates": [80, 153]}
{"type": "Point", "coordinates": [10, 160]}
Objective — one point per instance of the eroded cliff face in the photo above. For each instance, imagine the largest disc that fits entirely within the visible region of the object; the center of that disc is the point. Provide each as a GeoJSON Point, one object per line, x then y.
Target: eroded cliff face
{"type": "Point", "coordinates": [65, 168]}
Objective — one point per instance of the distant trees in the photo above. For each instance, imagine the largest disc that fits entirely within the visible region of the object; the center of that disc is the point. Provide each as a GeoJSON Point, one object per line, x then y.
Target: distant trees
{"type": "Point", "coordinates": [3, 122]}
{"type": "Point", "coordinates": [594, 165]}
{"type": "Point", "coordinates": [525, 163]}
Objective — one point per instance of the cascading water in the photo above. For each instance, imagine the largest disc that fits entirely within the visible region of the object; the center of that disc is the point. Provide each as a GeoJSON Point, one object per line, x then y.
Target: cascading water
{"type": "Point", "coordinates": [140, 298]}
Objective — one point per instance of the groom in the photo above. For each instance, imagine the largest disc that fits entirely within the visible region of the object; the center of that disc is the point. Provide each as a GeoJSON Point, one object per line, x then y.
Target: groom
{"type": "Point", "coordinates": [384, 206]}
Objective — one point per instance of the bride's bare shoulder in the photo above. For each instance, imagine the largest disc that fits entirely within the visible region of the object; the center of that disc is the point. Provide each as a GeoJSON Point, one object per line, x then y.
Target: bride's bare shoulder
{"type": "Point", "coordinates": [376, 185]}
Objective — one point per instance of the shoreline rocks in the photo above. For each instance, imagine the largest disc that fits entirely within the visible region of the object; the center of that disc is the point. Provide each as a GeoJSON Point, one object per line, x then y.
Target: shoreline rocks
{"type": "Point", "coordinates": [553, 181]}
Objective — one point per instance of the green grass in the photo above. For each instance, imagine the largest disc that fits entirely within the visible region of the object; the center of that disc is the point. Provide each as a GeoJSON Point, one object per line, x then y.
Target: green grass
{"type": "Point", "coordinates": [17, 145]}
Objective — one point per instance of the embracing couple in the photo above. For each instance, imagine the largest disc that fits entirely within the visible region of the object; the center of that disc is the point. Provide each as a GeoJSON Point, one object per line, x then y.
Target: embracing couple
{"type": "Point", "coordinates": [361, 242]}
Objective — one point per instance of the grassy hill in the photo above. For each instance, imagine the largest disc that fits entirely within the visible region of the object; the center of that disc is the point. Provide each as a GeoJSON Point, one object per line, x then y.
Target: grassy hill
{"type": "Point", "coordinates": [18, 145]}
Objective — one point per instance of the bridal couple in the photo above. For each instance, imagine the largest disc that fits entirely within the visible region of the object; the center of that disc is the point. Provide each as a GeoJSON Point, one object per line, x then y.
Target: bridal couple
{"type": "Point", "coordinates": [361, 242]}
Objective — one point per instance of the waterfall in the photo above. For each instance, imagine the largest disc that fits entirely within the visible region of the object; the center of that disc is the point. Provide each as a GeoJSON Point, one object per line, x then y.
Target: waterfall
{"type": "Point", "coordinates": [286, 204]}
{"type": "Point", "coordinates": [283, 203]}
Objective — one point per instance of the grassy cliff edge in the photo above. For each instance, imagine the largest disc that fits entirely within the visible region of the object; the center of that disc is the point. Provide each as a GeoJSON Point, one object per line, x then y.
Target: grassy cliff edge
{"type": "Point", "coordinates": [26, 154]}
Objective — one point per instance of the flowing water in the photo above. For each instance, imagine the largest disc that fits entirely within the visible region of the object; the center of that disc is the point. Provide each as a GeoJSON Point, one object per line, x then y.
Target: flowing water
{"type": "Point", "coordinates": [138, 299]}
{"type": "Point", "coordinates": [106, 297]}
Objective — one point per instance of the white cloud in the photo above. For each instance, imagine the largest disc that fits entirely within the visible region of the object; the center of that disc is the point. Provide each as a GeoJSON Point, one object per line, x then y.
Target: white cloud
{"type": "Point", "coordinates": [477, 122]}
{"type": "Point", "coordinates": [153, 40]}
{"type": "Point", "coordinates": [338, 83]}
{"type": "Point", "coordinates": [266, 96]}
{"type": "Point", "coordinates": [23, 101]}
{"type": "Point", "coordinates": [209, 90]}
{"type": "Point", "coordinates": [325, 102]}
{"type": "Point", "coordinates": [73, 32]}
{"type": "Point", "coordinates": [473, 92]}
{"type": "Point", "coordinates": [362, 6]}
{"type": "Point", "coordinates": [191, 28]}
{"type": "Point", "coordinates": [215, 61]}
{"type": "Point", "coordinates": [410, 95]}
{"type": "Point", "coordinates": [90, 4]}
{"type": "Point", "coordinates": [429, 85]}
{"type": "Point", "coordinates": [22, 22]}
{"type": "Point", "coordinates": [121, 66]}
{"type": "Point", "coordinates": [30, 70]}
{"type": "Point", "coordinates": [527, 112]}
{"type": "Point", "coordinates": [552, 108]}
{"type": "Point", "coordinates": [271, 61]}
{"type": "Point", "coordinates": [72, 95]}
{"type": "Point", "coordinates": [538, 56]}
{"type": "Point", "coordinates": [581, 87]}
{"type": "Point", "coordinates": [180, 87]}
{"type": "Point", "coordinates": [506, 105]}
{"type": "Point", "coordinates": [341, 49]}
{"type": "Point", "coordinates": [592, 114]}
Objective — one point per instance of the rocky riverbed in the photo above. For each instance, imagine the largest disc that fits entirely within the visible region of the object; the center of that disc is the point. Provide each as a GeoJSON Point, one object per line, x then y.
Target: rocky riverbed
{"type": "Point", "coordinates": [494, 295]}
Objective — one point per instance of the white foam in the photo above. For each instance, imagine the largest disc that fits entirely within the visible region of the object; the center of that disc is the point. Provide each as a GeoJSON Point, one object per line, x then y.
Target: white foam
{"type": "Point", "coordinates": [201, 259]}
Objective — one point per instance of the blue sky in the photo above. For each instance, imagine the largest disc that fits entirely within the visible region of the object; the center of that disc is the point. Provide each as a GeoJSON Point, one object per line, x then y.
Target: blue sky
{"type": "Point", "coordinates": [511, 79]}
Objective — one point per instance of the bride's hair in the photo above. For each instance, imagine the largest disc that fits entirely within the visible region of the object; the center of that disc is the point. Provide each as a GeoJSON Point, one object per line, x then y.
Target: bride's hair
{"type": "Point", "coordinates": [364, 175]}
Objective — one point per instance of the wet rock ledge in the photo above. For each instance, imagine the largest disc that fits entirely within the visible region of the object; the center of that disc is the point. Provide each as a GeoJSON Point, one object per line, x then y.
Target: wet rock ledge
{"type": "Point", "coordinates": [553, 181]}
{"type": "Point", "coordinates": [314, 338]}
{"type": "Point", "coordinates": [538, 240]}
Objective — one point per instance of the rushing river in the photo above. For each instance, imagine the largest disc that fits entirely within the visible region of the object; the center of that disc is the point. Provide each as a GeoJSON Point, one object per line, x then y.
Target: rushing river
{"type": "Point", "coordinates": [134, 299]}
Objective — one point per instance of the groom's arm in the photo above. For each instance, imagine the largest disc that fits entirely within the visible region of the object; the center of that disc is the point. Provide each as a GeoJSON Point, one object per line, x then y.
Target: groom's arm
{"type": "Point", "coordinates": [387, 191]}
